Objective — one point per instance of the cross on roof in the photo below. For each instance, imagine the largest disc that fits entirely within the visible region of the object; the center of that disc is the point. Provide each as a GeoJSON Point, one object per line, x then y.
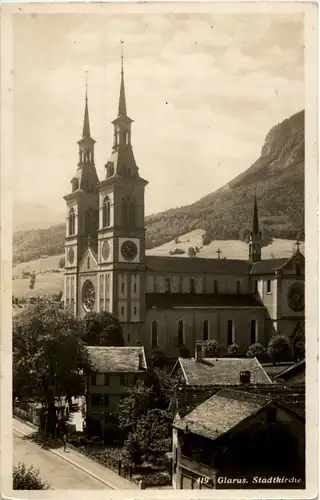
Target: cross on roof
{"type": "Point", "coordinates": [89, 240]}
{"type": "Point", "coordinates": [219, 252]}
{"type": "Point", "coordinates": [297, 244]}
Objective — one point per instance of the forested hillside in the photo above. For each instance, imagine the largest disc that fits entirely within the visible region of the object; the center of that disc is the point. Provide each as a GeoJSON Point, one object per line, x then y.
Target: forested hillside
{"type": "Point", "coordinates": [277, 177]}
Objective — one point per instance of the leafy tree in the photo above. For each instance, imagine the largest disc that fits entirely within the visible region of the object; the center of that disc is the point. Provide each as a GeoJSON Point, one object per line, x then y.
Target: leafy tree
{"type": "Point", "coordinates": [278, 348]}
{"type": "Point", "coordinates": [298, 345]}
{"type": "Point", "coordinates": [132, 407]}
{"type": "Point", "coordinates": [131, 454]}
{"type": "Point", "coordinates": [62, 263]}
{"type": "Point", "coordinates": [102, 329]}
{"type": "Point", "coordinates": [233, 349]}
{"type": "Point", "coordinates": [154, 434]}
{"type": "Point", "coordinates": [191, 252]}
{"type": "Point", "coordinates": [206, 239]}
{"type": "Point", "coordinates": [50, 359]}
{"type": "Point", "coordinates": [158, 359]}
{"type": "Point", "coordinates": [27, 478]}
{"type": "Point", "coordinates": [210, 348]}
{"type": "Point", "coordinates": [256, 350]}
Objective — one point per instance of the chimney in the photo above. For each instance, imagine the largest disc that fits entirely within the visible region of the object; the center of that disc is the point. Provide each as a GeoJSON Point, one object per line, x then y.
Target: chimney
{"type": "Point", "coordinates": [198, 356]}
{"type": "Point", "coordinates": [141, 364]}
{"type": "Point", "coordinates": [245, 377]}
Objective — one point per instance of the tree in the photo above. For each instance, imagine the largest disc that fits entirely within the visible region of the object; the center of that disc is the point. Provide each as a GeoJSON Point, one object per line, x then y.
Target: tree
{"type": "Point", "coordinates": [278, 348]}
{"type": "Point", "coordinates": [298, 344]}
{"type": "Point", "coordinates": [154, 435]}
{"type": "Point", "coordinates": [132, 407]}
{"type": "Point", "coordinates": [157, 359]}
{"type": "Point", "coordinates": [191, 252]}
{"type": "Point", "coordinates": [210, 348]}
{"type": "Point", "coordinates": [206, 239]}
{"type": "Point", "coordinates": [131, 452]}
{"type": "Point", "coordinates": [255, 350]}
{"type": "Point", "coordinates": [27, 478]}
{"type": "Point", "coordinates": [50, 359]}
{"type": "Point", "coordinates": [233, 349]}
{"type": "Point", "coordinates": [102, 329]}
{"type": "Point", "coordinates": [62, 263]}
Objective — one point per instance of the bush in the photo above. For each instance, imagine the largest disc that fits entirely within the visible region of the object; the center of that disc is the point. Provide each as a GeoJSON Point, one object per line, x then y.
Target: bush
{"type": "Point", "coordinates": [158, 359]}
{"type": "Point", "coordinates": [210, 348]}
{"type": "Point", "coordinates": [191, 252]}
{"type": "Point", "coordinates": [279, 348]}
{"type": "Point", "coordinates": [206, 239]}
{"type": "Point", "coordinates": [233, 349]}
{"type": "Point", "coordinates": [27, 478]}
{"type": "Point", "coordinates": [256, 350]}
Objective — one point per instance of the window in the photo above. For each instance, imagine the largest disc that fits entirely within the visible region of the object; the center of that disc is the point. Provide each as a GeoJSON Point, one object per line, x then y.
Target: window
{"type": "Point", "coordinates": [122, 311]}
{"type": "Point", "coordinates": [72, 222]}
{"type": "Point", "coordinates": [230, 332]}
{"type": "Point", "coordinates": [134, 287]}
{"type": "Point", "coordinates": [268, 286]}
{"type": "Point", "coordinates": [180, 332]}
{"type": "Point", "coordinates": [106, 212]}
{"type": "Point", "coordinates": [167, 285]}
{"type": "Point", "coordinates": [255, 286]}
{"type": "Point", "coordinates": [99, 399]}
{"type": "Point", "coordinates": [106, 379]}
{"type": "Point", "coordinates": [215, 286]}
{"type": "Point", "coordinates": [298, 269]}
{"type": "Point", "coordinates": [154, 334]}
{"type": "Point", "coordinates": [134, 310]}
{"type": "Point", "coordinates": [192, 286]}
{"type": "Point", "coordinates": [94, 379]}
{"type": "Point", "coordinates": [205, 329]}
{"type": "Point", "coordinates": [122, 287]}
{"type": "Point", "coordinates": [253, 331]}
{"type": "Point", "coordinates": [124, 380]}
{"type": "Point", "coordinates": [88, 262]}
{"type": "Point", "coordinates": [238, 287]}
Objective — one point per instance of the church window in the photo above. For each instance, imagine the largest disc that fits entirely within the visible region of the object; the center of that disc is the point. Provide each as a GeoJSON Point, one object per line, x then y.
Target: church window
{"type": "Point", "coordinates": [180, 332]}
{"type": "Point", "coordinates": [88, 262]}
{"type": "Point", "coordinates": [268, 286]}
{"type": "Point", "coordinates": [298, 269]}
{"type": "Point", "coordinates": [238, 287]}
{"type": "Point", "coordinates": [230, 332]}
{"type": "Point", "coordinates": [192, 286]}
{"type": "Point", "coordinates": [132, 213]}
{"type": "Point", "coordinates": [167, 285]}
{"type": "Point", "coordinates": [154, 334]}
{"type": "Point", "coordinates": [124, 212]}
{"type": "Point", "coordinates": [72, 222]}
{"type": "Point", "coordinates": [255, 286]}
{"type": "Point", "coordinates": [215, 286]}
{"type": "Point", "coordinates": [205, 329]}
{"type": "Point", "coordinates": [129, 172]}
{"type": "Point", "coordinates": [106, 212]}
{"type": "Point", "coordinates": [253, 331]}
{"type": "Point", "coordinates": [122, 311]}
{"type": "Point", "coordinates": [122, 287]}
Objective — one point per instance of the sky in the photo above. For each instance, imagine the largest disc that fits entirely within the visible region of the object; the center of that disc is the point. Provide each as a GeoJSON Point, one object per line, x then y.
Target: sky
{"type": "Point", "coordinates": [203, 91]}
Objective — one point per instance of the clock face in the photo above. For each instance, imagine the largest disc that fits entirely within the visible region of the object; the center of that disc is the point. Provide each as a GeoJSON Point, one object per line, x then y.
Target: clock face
{"type": "Point", "coordinates": [88, 296]}
{"type": "Point", "coordinates": [296, 297]}
{"type": "Point", "coordinates": [129, 250]}
{"type": "Point", "coordinates": [105, 250]}
{"type": "Point", "coordinates": [71, 255]}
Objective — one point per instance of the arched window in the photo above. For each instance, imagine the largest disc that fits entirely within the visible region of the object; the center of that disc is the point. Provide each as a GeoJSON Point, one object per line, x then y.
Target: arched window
{"type": "Point", "coordinates": [72, 222]}
{"type": "Point", "coordinates": [124, 212]}
{"type": "Point", "coordinates": [167, 285]}
{"type": "Point", "coordinates": [132, 213]}
{"type": "Point", "coordinates": [230, 332]}
{"type": "Point", "coordinates": [106, 212]}
{"type": "Point", "coordinates": [180, 332]}
{"type": "Point", "coordinates": [154, 334]}
{"type": "Point", "coordinates": [205, 329]}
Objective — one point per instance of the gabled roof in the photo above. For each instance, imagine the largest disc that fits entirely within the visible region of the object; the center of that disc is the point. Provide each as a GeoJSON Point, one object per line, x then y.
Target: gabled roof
{"type": "Point", "coordinates": [117, 359]}
{"type": "Point", "coordinates": [177, 265]}
{"type": "Point", "coordinates": [292, 370]}
{"type": "Point", "coordinates": [221, 371]}
{"type": "Point", "coordinates": [89, 252]}
{"type": "Point", "coordinates": [208, 300]}
{"type": "Point", "coordinates": [270, 266]}
{"type": "Point", "coordinates": [222, 412]}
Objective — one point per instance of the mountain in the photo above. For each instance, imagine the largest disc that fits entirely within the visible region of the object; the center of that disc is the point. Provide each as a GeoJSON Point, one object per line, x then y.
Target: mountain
{"type": "Point", "coordinates": [27, 216]}
{"type": "Point", "coordinates": [277, 177]}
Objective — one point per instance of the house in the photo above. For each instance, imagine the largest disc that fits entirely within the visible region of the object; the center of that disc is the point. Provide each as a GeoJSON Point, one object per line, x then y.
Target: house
{"type": "Point", "coordinates": [293, 374]}
{"type": "Point", "coordinates": [238, 437]}
{"type": "Point", "coordinates": [115, 371]}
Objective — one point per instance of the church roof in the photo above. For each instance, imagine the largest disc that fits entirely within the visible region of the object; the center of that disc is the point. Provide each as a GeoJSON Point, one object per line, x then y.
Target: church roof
{"type": "Point", "coordinates": [268, 266]}
{"type": "Point", "coordinates": [117, 359]}
{"type": "Point", "coordinates": [221, 371]}
{"type": "Point", "coordinates": [208, 300]}
{"type": "Point", "coordinates": [190, 265]}
{"type": "Point", "coordinates": [222, 412]}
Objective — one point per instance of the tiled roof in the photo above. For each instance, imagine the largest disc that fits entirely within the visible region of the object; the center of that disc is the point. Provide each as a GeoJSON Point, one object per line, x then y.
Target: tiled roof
{"type": "Point", "coordinates": [117, 359]}
{"type": "Point", "coordinates": [222, 371]}
{"type": "Point", "coordinates": [221, 413]}
{"type": "Point", "coordinates": [268, 266]}
{"type": "Point", "coordinates": [170, 300]}
{"type": "Point", "coordinates": [186, 265]}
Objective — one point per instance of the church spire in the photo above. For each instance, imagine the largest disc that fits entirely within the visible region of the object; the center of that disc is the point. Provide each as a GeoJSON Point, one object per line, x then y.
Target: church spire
{"type": "Point", "coordinates": [255, 226]}
{"type": "Point", "coordinates": [86, 123]}
{"type": "Point", "coordinates": [255, 242]}
{"type": "Point", "coordinates": [122, 109]}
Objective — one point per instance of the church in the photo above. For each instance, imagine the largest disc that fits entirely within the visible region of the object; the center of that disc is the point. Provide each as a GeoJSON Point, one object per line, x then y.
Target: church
{"type": "Point", "coordinates": [166, 302]}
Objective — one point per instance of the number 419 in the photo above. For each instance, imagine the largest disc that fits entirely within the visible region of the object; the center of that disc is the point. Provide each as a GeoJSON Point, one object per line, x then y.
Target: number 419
{"type": "Point", "coordinates": [203, 480]}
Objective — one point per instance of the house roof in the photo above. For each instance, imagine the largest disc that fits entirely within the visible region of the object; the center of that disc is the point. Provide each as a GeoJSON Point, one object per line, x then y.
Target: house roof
{"type": "Point", "coordinates": [292, 370]}
{"type": "Point", "coordinates": [222, 412]}
{"type": "Point", "coordinates": [117, 359]}
{"type": "Point", "coordinates": [268, 266]}
{"type": "Point", "coordinates": [157, 263]}
{"type": "Point", "coordinates": [172, 300]}
{"type": "Point", "coordinates": [221, 371]}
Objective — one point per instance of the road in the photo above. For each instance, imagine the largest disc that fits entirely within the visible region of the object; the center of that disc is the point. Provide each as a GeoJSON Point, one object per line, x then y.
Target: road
{"type": "Point", "coordinates": [60, 474]}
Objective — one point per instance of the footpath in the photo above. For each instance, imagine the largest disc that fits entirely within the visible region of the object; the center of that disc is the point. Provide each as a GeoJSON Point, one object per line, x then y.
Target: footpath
{"type": "Point", "coordinates": [94, 469]}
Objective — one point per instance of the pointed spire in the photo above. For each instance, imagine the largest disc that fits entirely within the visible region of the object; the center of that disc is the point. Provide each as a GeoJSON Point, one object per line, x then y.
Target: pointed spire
{"type": "Point", "coordinates": [255, 227]}
{"type": "Point", "coordinates": [122, 110]}
{"type": "Point", "coordinates": [86, 124]}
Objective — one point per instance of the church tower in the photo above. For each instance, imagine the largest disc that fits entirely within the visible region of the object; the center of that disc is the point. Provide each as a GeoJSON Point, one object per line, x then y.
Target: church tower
{"type": "Point", "coordinates": [82, 213]}
{"type": "Point", "coordinates": [255, 241]}
{"type": "Point", "coordinates": [121, 235]}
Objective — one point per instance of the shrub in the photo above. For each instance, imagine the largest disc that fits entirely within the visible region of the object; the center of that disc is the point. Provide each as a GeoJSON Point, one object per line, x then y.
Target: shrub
{"type": "Point", "coordinates": [210, 348]}
{"type": "Point", "coordinates": [191, 252]}
{"type": "Point", "coordinates": [233, 349]}
{"type": "Point", "coordinates": [278, 348]}
{"type": "Point", "coordinates": [256, 350]}
{"type": "Point", "coordinates": [27, 478]}
{"type": "Point", "coordinates": [158, 359]}
{"type": "Point", "coordinates": [206, 239]}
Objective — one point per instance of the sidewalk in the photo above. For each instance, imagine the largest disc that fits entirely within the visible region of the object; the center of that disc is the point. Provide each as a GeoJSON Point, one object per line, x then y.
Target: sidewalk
{"type": "Point", "coordinates": [106, 476]}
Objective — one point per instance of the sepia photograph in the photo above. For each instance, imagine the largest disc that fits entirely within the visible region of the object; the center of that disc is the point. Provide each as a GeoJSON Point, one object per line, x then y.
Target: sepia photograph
{"type": "Point", "coordinates": [160, 249]}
